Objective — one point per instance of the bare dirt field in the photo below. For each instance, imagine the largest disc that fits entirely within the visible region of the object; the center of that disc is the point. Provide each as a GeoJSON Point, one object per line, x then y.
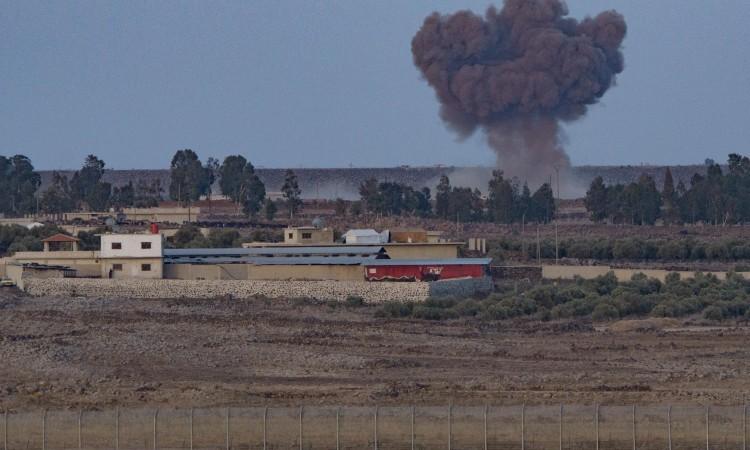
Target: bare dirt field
{"type": "Point", "coordinates": [84, 353]}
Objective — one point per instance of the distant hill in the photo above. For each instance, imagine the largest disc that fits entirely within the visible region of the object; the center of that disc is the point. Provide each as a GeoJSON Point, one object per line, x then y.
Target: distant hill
{"type": "Point", "coordinates": [344, 182]}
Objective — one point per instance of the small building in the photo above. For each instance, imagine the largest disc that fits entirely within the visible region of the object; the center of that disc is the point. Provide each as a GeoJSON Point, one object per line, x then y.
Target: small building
{"type": "Point", "coordinates": [132, 255]}
{"type": "Point", "coordinates": [426, 269]}
{"type": "Point", "coordinates": [60, 243]}
{"type": "Point", "coordinates": [365, 236]}
{"type": "Point", "coordinates": [308, 235]}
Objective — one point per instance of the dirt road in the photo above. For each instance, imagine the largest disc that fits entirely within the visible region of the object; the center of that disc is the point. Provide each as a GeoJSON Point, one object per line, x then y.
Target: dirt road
{"type": "Point", "coordinates": [73, 352]}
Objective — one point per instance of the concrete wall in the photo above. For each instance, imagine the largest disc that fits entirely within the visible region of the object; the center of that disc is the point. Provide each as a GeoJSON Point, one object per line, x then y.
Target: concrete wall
{"type": "Point", "coordinates": [589, 272]}
{"type": "Point", "coordinates": [321, 290]}
{"type": "Point", "coordinates": [422, 251]}
{"type": "Point", "coordinates": [86, 264]}
{"type": "Point", "coordinates": [251, 272]}
{"type": "Point", "coordinates": [2, 270]}
{"type": "Point", "coordinates": [132, 268]}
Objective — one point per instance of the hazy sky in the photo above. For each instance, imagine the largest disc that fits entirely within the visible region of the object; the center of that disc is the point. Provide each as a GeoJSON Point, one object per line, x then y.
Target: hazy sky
{"type": "Point", "coordinates": [331, 83]}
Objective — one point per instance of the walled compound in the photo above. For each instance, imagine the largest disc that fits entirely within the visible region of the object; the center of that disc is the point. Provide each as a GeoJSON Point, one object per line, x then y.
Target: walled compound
{"type": "Point", "coordinates": [320, 290]}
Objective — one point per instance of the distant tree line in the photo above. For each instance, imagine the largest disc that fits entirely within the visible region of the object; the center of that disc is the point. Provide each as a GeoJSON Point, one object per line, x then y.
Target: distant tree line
{"type": "Point", "coordinates": [190, 180]}
{"type": "Point", "coordinates": [717, 197]}
{"type": "Point", "coordinates": [506, 202]}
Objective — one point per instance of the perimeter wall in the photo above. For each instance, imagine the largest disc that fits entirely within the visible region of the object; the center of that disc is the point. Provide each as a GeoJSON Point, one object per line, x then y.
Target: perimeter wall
{"type": "Point", "coordinates": [370, 292]}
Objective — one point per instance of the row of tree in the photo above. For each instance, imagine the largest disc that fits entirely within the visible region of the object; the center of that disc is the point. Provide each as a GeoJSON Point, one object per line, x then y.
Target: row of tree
{"type": "Point", "coordinates": [190, 179]}
{"type": "Point", "coordinates": [715, 197]}
{"type": "Point", "coordinates": [506, 201]}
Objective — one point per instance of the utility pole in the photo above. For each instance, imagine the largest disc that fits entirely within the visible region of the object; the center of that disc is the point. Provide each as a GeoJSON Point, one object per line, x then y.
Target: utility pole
{"type": "Point", "coordinates": [538, 248]}
{"type": "Point", "coordinates": [557, 245]}
{"type": "Point", "coordinates": [523, 236]}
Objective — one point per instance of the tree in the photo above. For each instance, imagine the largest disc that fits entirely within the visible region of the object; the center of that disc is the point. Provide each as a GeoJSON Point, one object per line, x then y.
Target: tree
{"type": "Point", "coordinates": [543, 204]}
{"type": "Point", "coordinates": [596, 200]}
{"type": "Point", "coordinates": [123, 196]}
{"type": "Point", "coordinates": [238, 180]}
{"type": "Point", "coordinates": [292, 193]}
{"type": "Point", "coordinates": [148, 195]}
{"type": "Point", "coordinates": [500, 199]}
{"type": "Point", "coordinates": [423, 206]}
{"type": "Point", "coordinates": [18, 184]}
{"type": "Point", "coordinates": [442, 197]}
{"type": "Point", "coordinates": [368, 193]}
{"type": "Point", "coordinates": [648, 200]}
{"type": "Point", "coordinates": [57, 198]}
{"type": "Point", "coordinates": [269, 209]}
{"type": "Point", "coordinates": [340, 207]}
{"type": "Point", "coordinates": [87, 186]}
{"type": "Point", "coordinates": [669, 198]}
{"type": "Point", "coordinates": [212, 169]}
{"type": "Point", "coordinates": [189, 180]}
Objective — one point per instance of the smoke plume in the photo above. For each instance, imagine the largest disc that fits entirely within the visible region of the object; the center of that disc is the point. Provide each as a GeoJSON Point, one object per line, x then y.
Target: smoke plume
{"type": "Point", "coordinates": [517, 73]}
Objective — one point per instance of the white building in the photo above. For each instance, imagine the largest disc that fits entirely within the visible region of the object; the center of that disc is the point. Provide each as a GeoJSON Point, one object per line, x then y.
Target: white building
{"type": "Point", "coordinates": [132, 255]}
{"type": "Point", "coordinates": [365, 236]}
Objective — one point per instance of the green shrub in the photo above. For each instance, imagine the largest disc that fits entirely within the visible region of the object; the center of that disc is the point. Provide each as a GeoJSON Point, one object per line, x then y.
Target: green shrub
{"type": "Point", "coordinates": [603, 312]}
{"type": "Point", "coordinates": [354, 301]}
{"type": "Point", "coordinates": [713, 313]}
{"type": "Point", "coordinates": [395, 309]}
{"type": "Point", "coordinates": [432, 313]}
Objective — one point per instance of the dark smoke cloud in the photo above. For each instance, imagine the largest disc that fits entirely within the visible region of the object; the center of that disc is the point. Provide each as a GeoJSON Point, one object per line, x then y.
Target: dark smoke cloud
{"type": "Point", "coordinates": [517, 73]}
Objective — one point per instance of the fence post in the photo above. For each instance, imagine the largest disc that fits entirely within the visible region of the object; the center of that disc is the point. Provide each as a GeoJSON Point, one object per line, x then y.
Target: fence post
{"type": "Point", "coordinates": [450, 426]}
{"type": "Point", "coordinates": [376, 428]}
{"type": "Point", "coordinates": [634, 431]}
{"type": "Point", "coordinates": [80, 419]}
{"type": "Point", "coordinates": [117, 428]}
{"type": "Point", "coordinates": [412, 427]}
{"type": "Point", "coordinates": [708, 425]}
{"type": "Point", "coordinates": [485, 427]}
{"type": "Point", "coordinates": [744, 427]}
{"type": "Point", "coordinates": [156, 415]}
{"type": "Point", "coordinates": [5, 430]}
{"type": "Point", "coordinates": [301, 412]}
{"type": "Point", "coordinates": [561, 426]}
{"type": "Point", "coordinates": [523, 426]}
{"type": "Point", "coordinates": [192, 415]}
{"type": "Point", "coordinates": [227, 438]}
{"type": "Point", "coordinates": [265, 424]}
{"type": "Point", "coordinates": [669, 427]}
{"type": "Point", "coordinates": [597, 426]}
{"type": "Point", "coordinates": [338, 442]}
{"type": "Point", "coordinates": [44, 430]}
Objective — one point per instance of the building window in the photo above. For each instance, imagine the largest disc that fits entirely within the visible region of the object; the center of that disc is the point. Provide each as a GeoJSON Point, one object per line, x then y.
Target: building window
{"type": "Point", "coordinates": [291, 235]}
{"type": "Point", "coordinates": [145, 267]}
{"type": "Point", "coordinates": [117, 246]}
{"type": "Point", "coordinates": [145, 245]}
{"type": "Point", "coordinates": [117, 267]}
{"type": "Point", "coordinates": [306, 235]}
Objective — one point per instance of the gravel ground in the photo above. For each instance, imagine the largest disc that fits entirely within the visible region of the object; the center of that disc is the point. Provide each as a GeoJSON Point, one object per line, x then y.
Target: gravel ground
{"type": "Point", "coordinates": [62, 352]}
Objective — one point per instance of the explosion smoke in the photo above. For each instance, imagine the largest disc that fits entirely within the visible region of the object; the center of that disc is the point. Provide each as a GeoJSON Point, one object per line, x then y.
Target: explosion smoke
{"type": "Point", "coordinates": [517, 73]}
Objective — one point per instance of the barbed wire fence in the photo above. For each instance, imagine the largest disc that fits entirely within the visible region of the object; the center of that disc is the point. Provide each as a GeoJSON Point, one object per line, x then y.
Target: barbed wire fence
{"type": "Point", "coordinates": [559, 427]}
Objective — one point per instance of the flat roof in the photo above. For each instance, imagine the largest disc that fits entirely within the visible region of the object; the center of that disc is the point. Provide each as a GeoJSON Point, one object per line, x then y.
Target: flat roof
{"type": "Point", "coordinates": [275, 251]}
{"type": "Point", "coordinates": [59, 237]}
{"type": "Point", "coordinates": [430, 262]}
{"type": "Point", "coordinates": [271, 261]}
{"type": "Point", "coordinates": [340, 244]}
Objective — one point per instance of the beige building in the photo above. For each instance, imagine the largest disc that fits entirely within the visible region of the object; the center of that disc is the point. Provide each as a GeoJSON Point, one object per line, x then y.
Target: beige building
{"type": "Point", "coordinates": [308, 235]}
{"type": "Point", "coordinates": [177, 215]}
{"type": "Point", "coordinates": [132, 256]}
{"type": "Point", "coordinates": [121, 256]}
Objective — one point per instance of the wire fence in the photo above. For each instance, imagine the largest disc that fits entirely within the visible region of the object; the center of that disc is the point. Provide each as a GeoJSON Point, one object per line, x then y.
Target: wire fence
{"type": "Point", "coordinates": [560, 427]}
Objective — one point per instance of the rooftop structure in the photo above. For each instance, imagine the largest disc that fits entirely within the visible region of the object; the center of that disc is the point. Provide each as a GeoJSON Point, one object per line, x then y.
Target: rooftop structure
{"type": "Point", "coordinates": [60, 243]}
{"type": "Point", "coordinates": [308, 235]}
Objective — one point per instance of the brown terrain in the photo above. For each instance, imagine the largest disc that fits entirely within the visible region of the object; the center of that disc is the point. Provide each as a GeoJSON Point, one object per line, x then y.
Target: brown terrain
{"type": "Point", "coordinates": [100, 353]}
